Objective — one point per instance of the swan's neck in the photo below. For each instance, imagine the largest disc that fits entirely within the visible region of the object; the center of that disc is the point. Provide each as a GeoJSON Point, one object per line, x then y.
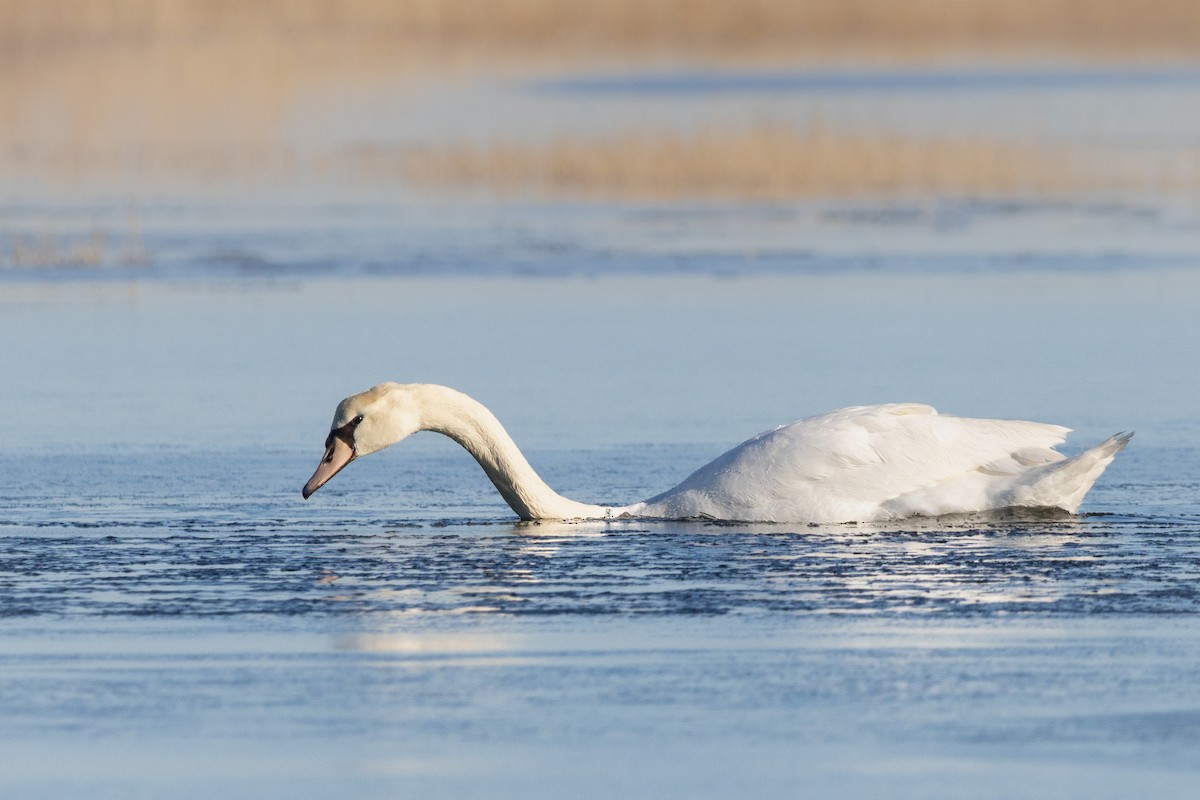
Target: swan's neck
{"type": "Point", "coordinates": [474, 427]}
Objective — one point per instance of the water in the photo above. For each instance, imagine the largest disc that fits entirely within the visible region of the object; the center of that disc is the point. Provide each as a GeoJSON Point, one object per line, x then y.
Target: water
{"type": "Point", "coordinates": [430, 538]}
{"type": "Point", "coordinates": [184, 624]}
{"type": "Point", "coordinates": [176, 621]}
{"type": "Point", "coordinates": [940, 81]}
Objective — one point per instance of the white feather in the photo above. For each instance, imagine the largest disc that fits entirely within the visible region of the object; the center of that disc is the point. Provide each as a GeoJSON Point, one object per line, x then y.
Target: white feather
{"type": "Point", "coordinates": [865, 463]}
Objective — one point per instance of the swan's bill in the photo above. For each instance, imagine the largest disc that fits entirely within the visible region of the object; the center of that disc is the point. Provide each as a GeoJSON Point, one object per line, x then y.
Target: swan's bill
{"type": "Point", "coordinates": [864, 463]}
{"type": "Point", "coordinates": [339, 451]}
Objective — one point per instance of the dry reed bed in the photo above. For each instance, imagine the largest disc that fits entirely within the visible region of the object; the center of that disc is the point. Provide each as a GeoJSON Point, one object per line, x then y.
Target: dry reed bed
{"type": "Point", "coordinates": [34, 28]}
{"type": "Point", "coordinates": [49, 248]}
{"type": "Point", "coordinates": [751, 163]}
{"type": "Point", "coordinates": [170, 87]}
{"type": "Point", "coordinates": [780, 163]}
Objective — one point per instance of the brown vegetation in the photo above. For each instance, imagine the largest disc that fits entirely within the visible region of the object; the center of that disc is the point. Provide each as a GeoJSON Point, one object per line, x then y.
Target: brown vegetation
{"type": "Point", "coordinates": [99, 247]}
{"type": "Point", "coordinates": [769, 162]}
{"type": "Point", "coordinates": [757, 162]}
{"type": "Point", "coordinates": [754, 28]}
{"type": "Point", "coordinates": [206, 88]}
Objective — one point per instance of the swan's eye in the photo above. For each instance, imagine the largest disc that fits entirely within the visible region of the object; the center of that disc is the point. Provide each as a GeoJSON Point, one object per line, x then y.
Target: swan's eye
{"type": "Point", "coordinates": [358, 419]}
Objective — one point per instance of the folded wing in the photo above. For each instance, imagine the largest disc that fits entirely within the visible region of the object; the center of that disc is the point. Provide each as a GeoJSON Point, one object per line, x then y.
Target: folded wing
{"type": "Point", "coordinates": [866, 463]}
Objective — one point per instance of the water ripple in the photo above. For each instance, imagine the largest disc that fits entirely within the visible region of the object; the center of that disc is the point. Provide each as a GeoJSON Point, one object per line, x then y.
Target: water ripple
{"type": "Point", "coordinates": [211, 567]}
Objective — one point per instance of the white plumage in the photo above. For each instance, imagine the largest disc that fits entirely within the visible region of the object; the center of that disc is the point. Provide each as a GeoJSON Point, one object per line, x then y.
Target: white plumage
{"type": "Point", "coordinates": [873, 463]}
{"type": "Point", "coordinates": [864, 464]}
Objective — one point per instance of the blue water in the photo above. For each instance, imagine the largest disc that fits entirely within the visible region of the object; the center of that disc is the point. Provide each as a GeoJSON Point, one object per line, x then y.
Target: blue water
{"type": "Point", "coordinates": [176, 621]}
{"type": "Point", "coordinates": [941, 81]}
{"type": "Point", "coordinates": [198, 534]}
{"type": "Point", "coordinates": [182, 623]}
{"type": "Point", "coordinates": [270, 237]}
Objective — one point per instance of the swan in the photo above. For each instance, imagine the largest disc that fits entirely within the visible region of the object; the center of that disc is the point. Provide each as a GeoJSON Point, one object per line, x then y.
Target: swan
{"type": "Point", "coordinates": [859, 464]}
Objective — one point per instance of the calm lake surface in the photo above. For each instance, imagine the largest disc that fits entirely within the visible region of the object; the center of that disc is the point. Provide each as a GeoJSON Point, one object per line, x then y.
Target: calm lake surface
{"type": "Point", "coordinates": [176, 621]}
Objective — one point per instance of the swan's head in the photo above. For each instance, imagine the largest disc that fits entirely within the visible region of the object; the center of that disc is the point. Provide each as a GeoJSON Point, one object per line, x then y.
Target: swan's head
{"type": "Point", "coordinates": [365, 423]}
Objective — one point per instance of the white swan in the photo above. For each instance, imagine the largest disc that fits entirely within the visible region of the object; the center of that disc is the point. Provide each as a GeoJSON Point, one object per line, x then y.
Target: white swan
{"type": "Point", "coordinates": [865, 464]}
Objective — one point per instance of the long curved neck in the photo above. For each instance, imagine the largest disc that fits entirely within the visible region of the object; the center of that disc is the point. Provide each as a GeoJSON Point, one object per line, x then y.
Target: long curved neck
{"type": "Point", "coordinates": [474, 427]}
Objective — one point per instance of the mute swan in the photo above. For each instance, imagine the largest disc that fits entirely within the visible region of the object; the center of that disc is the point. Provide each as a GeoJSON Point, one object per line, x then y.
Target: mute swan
{"type": "Point", "coordinates": [865, 464]}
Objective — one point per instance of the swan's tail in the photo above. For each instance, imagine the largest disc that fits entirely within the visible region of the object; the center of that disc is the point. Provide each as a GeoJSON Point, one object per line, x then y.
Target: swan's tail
{"type": "Point", "coordinates": [1064, 484]}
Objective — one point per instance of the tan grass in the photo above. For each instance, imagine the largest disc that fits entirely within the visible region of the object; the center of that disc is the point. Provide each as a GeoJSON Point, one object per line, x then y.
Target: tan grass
{"type": "Point", "coordinates": [50, 248]}
{"type": "Point", "coordinates": [170, 87]}
{"type": "Point", "coordinates": [763, 162]}
{"type": "Point", "coordinates": [755, 162]}
{"type": "Point", "coordinates": [157, 87]}
{"type": "Point", "coordinates": [793, 28]}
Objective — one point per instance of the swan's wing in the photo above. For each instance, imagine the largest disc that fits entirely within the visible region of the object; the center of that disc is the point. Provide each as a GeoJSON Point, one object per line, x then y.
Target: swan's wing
{"type": "Point", "coordinates": [847, 464]}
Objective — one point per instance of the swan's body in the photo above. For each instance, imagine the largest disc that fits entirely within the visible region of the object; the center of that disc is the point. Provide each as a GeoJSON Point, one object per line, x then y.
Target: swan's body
{"type": "Point", "coordinates": [864, 464]}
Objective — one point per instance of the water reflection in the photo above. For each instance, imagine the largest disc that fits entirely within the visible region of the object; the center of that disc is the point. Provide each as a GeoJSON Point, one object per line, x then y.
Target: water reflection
{"type": "Point", "coordinates": [423, 644]}
{"type": "Point", "coordinates": [1091, 564]}
{"type": "Point", "coordinates": [224, 535]}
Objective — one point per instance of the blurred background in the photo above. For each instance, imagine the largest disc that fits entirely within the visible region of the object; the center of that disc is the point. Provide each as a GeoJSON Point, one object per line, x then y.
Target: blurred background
{"type": "Point", "coordinates": [347, 149]}
{"type": "Point", "coordinates": [774, 99]}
